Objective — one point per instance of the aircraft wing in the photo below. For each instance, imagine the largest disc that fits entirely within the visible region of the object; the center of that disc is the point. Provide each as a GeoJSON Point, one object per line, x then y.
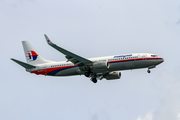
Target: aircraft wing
{"type": "Point", "coordinates": [76, 59]}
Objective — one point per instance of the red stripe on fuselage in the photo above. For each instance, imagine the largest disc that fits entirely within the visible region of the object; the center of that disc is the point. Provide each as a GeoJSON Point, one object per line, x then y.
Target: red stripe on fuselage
{"type": "Point", "coordinates": [47, 70]}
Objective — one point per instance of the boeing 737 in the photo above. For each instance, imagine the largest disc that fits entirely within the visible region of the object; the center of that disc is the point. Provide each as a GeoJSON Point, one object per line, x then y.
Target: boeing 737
{"type": "Point", "coordinates": [94, 68]}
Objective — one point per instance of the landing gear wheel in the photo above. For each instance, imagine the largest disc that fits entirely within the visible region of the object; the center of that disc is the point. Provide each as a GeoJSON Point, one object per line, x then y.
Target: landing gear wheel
{"type": "Point", "coordinates": [94, 80]}
{"type": "Point", "coordinates": [148, 71]}
{"type": "Point", "coordinates": [87, 74]}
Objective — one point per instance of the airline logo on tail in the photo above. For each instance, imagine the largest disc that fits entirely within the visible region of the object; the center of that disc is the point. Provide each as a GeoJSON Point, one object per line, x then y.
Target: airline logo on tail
{"type": "Point", "coordinates": [31, 55]}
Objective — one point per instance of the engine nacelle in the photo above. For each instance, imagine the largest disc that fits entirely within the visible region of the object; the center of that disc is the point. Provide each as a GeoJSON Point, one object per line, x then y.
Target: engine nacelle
{"type": "Point", "coordinates": [113, 75]}
{"type": "Point", "coordinates": [100, 66]}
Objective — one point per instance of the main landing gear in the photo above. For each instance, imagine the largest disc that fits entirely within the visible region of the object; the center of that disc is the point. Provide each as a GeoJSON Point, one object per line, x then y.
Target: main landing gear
{"type": "Point", "coordinates": [93, 77]}
{"type": "Point", "coordinates": [87, 74]}
{"type": "Point", "coordinates": [148, 71]}
{"type": "Point", "coordinates": [94, 80]}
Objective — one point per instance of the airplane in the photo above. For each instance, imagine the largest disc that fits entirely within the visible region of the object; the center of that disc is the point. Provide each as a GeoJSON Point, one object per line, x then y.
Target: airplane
{"type": "Point", "coordinates": [94, 68]}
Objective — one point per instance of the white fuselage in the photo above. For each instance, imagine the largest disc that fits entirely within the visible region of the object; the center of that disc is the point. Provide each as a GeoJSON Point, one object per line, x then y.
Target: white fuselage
{"type": "Point", "coordinates": [116, 63]}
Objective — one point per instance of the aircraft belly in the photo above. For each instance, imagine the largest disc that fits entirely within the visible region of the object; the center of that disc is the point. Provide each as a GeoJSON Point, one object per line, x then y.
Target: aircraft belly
{"type": "Point", "coordinates": [68, 72]}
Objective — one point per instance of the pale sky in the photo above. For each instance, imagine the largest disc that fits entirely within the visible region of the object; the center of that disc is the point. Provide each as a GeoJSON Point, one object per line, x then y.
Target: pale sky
{"type": "Point", "coordinates": [91, 28]}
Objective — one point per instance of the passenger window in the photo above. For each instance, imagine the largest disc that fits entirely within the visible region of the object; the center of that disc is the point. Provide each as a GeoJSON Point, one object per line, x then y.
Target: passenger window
{"type": "Point", "coordinates": [154, 56]}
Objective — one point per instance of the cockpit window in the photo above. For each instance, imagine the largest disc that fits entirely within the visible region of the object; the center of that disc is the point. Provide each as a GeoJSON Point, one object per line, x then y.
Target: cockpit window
{"type": "Point", "coordinates": [154, 56]}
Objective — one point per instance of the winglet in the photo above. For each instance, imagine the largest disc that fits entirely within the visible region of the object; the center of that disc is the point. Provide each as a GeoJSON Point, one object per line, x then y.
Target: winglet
{"type": "Point", "coordinates": [48, 40]}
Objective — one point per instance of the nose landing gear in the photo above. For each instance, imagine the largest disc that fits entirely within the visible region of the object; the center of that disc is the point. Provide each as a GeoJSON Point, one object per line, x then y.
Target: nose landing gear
{"type": "Point", "coordinates": [150, 67]}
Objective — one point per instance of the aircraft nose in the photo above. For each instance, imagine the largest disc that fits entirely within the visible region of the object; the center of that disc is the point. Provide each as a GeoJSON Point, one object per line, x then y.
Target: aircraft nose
{"type": "Point", "coordinates": [162, 60]}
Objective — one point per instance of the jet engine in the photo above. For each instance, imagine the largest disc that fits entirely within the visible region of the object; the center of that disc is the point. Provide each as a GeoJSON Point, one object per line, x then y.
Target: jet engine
{"type": "Point", "coordinates": [100, 66]}
{"type": "Point", "coordinates": [113, 75]}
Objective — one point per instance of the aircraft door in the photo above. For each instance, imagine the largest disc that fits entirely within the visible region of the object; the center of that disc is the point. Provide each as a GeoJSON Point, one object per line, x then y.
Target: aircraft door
{"type": "Point", "coordinates": [144, 56]}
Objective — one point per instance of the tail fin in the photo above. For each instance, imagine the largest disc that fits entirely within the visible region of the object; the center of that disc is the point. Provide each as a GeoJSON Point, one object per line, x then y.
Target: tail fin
{"type": "Point", "coordinates": [32, 56]}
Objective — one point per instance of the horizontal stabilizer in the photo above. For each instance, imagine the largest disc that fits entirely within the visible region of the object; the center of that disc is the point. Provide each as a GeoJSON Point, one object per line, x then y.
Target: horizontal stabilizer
{"type": "Point", "coordinates": [25, 65]}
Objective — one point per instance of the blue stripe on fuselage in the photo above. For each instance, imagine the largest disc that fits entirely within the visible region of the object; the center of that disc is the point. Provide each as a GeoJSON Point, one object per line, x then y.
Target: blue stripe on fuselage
{"type": "Point", "coordinates": [54, 72]}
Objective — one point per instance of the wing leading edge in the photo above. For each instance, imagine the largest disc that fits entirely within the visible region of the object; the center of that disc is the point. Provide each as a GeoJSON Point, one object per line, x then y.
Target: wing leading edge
{"type": "Point", "coordinates": [76, 59]}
